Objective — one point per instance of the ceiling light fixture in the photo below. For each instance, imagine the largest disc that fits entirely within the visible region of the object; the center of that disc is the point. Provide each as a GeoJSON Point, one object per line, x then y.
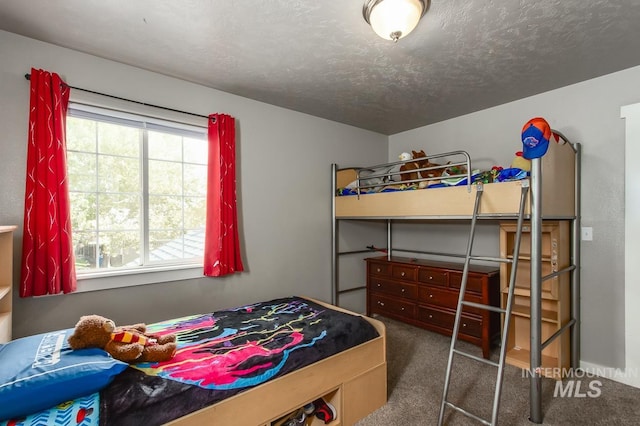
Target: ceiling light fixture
{"type": "Point", "coordinates": [394, 19]}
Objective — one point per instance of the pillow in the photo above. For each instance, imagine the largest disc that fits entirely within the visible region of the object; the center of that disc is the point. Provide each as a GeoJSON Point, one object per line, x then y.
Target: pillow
{"type": "Point", "coordinates": [41, 371]}
{"type": "Point", "coordinates": [365, 180]}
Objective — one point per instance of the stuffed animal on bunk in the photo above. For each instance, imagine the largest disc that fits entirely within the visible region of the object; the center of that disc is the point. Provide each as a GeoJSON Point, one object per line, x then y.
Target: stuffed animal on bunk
{"type": "Point", "coordinates": [410, 170]}
{"type": "Point", "coordinates": [437, 170]}
{"type": "Point", "coordinates": [519, 162]}
{"type": "Point", "coordinates": [405, 156]}
{"type": "Point", "coordinates": [406, 170]}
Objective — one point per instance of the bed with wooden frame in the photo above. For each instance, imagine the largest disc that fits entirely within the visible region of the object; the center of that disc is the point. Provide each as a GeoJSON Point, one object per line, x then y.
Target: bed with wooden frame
{"type": "Point", "coordinates": [261, 362]}
{"type": "Point", "coordinates": [354, 381]}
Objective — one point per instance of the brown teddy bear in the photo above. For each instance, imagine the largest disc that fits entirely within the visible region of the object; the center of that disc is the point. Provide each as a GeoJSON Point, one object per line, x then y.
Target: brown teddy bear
{"type": "Point", "coordinates": [408, 169]}
{"type": "Point", "coordinates": [125, 343]}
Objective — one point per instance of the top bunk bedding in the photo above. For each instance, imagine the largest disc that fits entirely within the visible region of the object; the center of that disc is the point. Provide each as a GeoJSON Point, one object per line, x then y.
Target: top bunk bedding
{"type": "Point", "coordinates": [365, 192]}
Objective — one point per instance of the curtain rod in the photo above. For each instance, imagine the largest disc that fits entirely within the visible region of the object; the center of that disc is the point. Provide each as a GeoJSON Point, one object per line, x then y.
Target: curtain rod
{"type": "Point", "coordinates": [28, 77]}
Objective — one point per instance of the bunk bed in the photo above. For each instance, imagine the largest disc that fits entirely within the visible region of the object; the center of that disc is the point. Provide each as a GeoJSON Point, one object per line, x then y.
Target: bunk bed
{"type": "Point", "coordinates": [382, 192]}
{"type": "Point", "coordinates": [252, 365]}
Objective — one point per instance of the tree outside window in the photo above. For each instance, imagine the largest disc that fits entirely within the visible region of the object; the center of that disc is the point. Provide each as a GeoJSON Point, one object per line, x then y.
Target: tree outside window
{"type": "Point", "coordinates": [137, 191]}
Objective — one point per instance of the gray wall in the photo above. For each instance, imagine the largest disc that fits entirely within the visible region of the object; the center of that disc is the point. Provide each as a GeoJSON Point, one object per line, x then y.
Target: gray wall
{"type": "Point", "coordinates": [284, 190]}
{"type": "Point", "coordinates": [589, 113]}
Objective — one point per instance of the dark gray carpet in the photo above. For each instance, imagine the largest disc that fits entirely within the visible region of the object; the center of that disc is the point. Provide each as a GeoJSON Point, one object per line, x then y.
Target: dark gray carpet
{"type": "Point", "coordinates": [417, 362]}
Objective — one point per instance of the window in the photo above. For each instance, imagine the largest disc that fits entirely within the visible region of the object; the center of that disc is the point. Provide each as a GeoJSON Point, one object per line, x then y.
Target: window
{"type": "Point", "coordinates": [138, 191]}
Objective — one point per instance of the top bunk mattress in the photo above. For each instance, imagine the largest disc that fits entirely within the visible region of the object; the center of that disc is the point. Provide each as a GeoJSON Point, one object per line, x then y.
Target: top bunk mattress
{"type": "Point", "coordinates": [557, 184]}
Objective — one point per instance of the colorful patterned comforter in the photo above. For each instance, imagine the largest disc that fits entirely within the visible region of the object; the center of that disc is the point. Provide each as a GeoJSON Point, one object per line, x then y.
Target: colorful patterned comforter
{"type": "Point", "coordinates": [219, 355]}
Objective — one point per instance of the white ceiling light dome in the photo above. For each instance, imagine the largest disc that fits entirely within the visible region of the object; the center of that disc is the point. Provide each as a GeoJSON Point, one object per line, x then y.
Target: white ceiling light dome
{"type": "Point", "coordinates": [394, 19]}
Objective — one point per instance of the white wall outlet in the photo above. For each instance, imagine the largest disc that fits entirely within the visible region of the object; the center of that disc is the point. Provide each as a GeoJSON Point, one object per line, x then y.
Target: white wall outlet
{"type": "Point", "coordinates": [587, 233]}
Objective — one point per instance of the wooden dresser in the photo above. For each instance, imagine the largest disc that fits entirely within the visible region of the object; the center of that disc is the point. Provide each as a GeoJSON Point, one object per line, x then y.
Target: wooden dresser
{"type": "Point", "coordinates": [425, 293]}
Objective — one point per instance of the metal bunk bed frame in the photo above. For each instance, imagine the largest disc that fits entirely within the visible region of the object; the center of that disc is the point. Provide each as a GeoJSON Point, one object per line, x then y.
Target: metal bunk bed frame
{"type": "Point", "coordinates": [535, 218]}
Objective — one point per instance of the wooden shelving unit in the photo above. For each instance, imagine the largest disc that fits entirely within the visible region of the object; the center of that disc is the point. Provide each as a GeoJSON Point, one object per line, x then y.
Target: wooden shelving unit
{"type": "Point", "coordinates": [6, 281]}
{"type": "Point", "coordinates": [556, 301]}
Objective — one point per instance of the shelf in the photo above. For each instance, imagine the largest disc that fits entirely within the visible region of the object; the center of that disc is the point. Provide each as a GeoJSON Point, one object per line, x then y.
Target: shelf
{"type": "Point", "coordinates": [520, 357]}
{"type": "Point", "coordinates": [6, 281]}
{"type": "Point", "coordinates": [554, 356]}
{"type": "Point", "coordinates": [520, 291]}
{"type": "Point", "coordinates": [527, 258]}
{"type": "Point", "coordinates": [554, 245]}
{"type": "Point", "coordinates": [5, 327]}
{"type": "Point", "coordinates": [524, 311]}
{"type": "Point", "coordinates": [4, 290]}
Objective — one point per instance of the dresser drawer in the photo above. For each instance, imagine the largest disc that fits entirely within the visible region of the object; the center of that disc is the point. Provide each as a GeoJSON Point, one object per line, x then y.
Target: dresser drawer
{"type": "Point", "coordinates": [446, 299]}
{"type": "Point", "coordinates": [387, 305]}
{"type": "Point", "coordinates": [469, 325]}
{"type": "Point", "coordinates": [405, 273]}
{"type": "Point", "coordinates": [433, 276]}
{"type": "Point", "coordinates": [435, 296]}
{"type": "Point", "coordinates": [474, 282]}
{"type": "Point", "coordinates": [396, 288]}
{"type": "Point", "coordinates": [379, 268]}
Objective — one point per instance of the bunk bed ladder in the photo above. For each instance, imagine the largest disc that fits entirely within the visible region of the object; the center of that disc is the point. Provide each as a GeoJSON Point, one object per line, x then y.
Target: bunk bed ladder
{"type": "Point", "coordinates": [506, 312]}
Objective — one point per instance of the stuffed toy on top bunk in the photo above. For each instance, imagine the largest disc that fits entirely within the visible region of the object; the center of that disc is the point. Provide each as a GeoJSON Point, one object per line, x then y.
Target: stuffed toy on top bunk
{"type": "Point", "coordinates": [414, 170]}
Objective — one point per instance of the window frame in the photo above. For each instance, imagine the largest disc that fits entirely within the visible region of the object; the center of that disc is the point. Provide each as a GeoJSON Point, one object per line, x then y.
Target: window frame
{"type": "Point", "coordinates": [103, 279]}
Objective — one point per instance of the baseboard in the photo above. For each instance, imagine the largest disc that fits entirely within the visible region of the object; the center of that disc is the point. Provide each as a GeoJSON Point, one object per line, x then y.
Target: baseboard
{"type": "Point", "coordinates": [629, 377]}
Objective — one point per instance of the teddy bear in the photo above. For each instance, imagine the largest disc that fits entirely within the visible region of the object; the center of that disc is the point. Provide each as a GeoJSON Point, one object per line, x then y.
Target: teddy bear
{"type": "Point", "coordinates": [125, 343]}
{"type": "Point", "coordinates": [406, 170]}
{"type": "Point", "coordinates": [422, 162]}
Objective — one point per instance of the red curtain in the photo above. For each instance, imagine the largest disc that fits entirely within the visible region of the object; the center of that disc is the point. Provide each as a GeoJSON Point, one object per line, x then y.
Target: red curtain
{"type": "Point", "coordinates": [47, 250]}
{"type": "Point", "coordinates": [221, 243]}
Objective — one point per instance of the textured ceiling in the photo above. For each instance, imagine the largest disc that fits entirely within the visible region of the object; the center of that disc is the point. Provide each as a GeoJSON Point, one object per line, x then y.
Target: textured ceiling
{"type": "Point", "coordinates": [321, 58]}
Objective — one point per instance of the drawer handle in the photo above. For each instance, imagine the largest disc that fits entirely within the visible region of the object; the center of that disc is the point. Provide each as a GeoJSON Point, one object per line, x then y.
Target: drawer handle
{"type": "Point", "coordinates": [402, 309]}
{"type": "Point", "coordinates": [431, 295]}
{"type": "Point", "coordinates": [464, 324]}
{"type": "Point", "coordinates": [381, 303]}
{"type": "Point", "coordinates": [402, 290]}
{"type": "Point", "coordinates": [379, 284]}
{"type": "Point", "coordinates": [378, 270]}
{"type": "Point", "coordinates": [402, 274]}
{"type": "Point", "coordinates": [430, 277]}
{"type": "Point", "coordinates": [430, 316]}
